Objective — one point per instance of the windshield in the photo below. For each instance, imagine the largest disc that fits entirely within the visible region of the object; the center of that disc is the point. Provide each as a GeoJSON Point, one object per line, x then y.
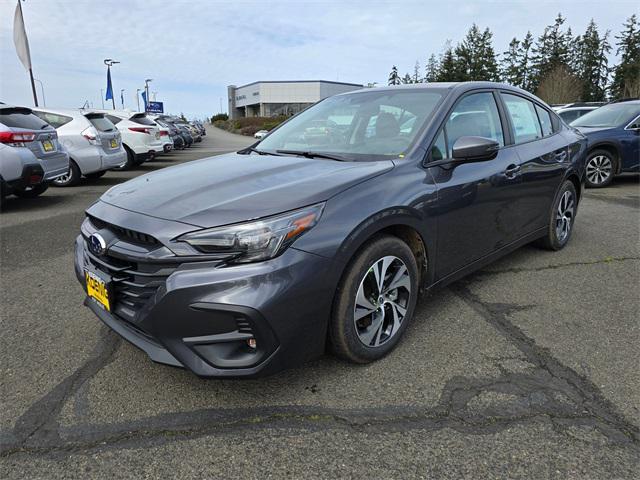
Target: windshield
{"type": "Point", "coordinates": [371, 125]}
{"type": "Point", "coordinates": [612, 115]}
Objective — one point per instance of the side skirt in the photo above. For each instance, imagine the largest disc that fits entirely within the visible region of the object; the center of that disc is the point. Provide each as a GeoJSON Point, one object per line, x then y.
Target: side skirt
{"type": "Point", "coordinates": [487, 259]}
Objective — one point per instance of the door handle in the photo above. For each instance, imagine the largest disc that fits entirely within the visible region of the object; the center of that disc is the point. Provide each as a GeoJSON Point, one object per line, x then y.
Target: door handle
{"type": "Point", "coordinates": [512, 171]}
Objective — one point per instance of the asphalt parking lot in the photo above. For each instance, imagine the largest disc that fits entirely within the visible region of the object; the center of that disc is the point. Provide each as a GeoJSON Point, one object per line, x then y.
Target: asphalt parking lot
{"type": "Point", "coordinates": [526, 369]}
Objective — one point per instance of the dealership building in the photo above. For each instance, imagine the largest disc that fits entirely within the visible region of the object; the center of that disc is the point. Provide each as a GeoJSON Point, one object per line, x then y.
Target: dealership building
{"type": "Point", "coordinates": [272, 98]}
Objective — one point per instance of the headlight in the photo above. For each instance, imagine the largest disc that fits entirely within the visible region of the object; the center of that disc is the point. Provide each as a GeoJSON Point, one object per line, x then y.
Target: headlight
{"type": "Point", "coordinates": [256, 240]}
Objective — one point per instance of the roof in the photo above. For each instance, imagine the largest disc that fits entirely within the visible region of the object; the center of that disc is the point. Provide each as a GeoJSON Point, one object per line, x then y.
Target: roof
{"type": "Point", "coordinates": [443, 86]}
{"type": "Point", "coordinates": [66, 111]}
{"type": "Point", "coordinates": [298, 81]}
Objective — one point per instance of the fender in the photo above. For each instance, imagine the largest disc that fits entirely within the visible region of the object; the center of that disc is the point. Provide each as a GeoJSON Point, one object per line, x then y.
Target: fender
{"type": "Point", "coordinates": [608, 143]}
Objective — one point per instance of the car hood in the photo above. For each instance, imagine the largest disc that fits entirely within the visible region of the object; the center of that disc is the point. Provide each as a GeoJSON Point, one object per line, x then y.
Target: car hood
{"type": "Point", "coordinates": [592, 130]}
{"type": "Point", "coordinates": [234, 188]}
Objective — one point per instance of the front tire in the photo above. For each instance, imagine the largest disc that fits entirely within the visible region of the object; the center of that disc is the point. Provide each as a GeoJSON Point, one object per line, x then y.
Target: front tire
{"type": "Point", "coordinates": [562, 218]}
{"type": "Point", "coordinates": [375, 300]}
{"type": "Point", "coordinates": [600, 168]}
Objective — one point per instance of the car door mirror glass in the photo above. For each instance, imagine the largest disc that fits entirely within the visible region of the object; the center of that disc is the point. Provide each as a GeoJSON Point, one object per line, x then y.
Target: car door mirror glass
{"type": "Point", "coordinates": [475, 148]}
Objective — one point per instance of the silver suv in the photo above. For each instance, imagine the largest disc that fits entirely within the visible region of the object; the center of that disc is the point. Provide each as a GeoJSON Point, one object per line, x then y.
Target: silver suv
{"type": "Point", "coordinates": [28, 140]}
{"type": "Point", "coordinates": [94, 143]}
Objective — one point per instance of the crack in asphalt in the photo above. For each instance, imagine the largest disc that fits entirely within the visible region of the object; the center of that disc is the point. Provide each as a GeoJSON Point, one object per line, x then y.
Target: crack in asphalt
{"type": "Point", "coordinates": [39, 424]}
{"type": "Point", "coordinates": [546, 391]}
{"type": "Point", "coordinates": [562, 379]}
{"type": "Point", "coordinates": [606, 260]}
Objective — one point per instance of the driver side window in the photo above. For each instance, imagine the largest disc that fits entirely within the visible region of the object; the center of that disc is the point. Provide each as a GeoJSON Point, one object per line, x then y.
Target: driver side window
{"type": "Point", "coordinates": [475, 115]}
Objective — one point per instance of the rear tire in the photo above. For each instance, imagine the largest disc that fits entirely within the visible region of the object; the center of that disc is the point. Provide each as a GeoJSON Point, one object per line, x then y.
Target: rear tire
{"type": "Point", "coordinates": [31, 192]}
{"type": "Point", "coordinates": [374, 301]}
{"type": "Point", "coordinates": [71, 179]}
{"type": "Point", "coordinates": [561, 218]}
{"type": "Point", "coordinates": [600, 169]}
{"type": "Point", "coordinates": [130, 160]}
{"type": "Point", "coordinates": [95, 175]}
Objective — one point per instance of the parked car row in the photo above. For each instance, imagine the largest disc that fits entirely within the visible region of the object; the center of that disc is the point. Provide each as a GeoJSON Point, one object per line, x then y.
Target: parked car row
{"type": "Point", "coordinates": [44, 146]}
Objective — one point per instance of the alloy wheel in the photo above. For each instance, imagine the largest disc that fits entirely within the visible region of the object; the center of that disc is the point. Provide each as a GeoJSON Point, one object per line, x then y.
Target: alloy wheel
{"type": "Point", "coordinates": [381, 301]}
{"type": "Point", "coordinates": [63, 179]}
{"type": "Point", "coordinates": [599, 169]}
{"type": "Point", "coordinates": [564, 216]}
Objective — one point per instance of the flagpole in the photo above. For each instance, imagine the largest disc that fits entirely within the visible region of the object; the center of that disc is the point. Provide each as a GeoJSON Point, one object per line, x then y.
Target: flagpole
{"type": "Point", "coordinates": [22, 47]}
{"type": "Point", "coordinates": [33, 87]}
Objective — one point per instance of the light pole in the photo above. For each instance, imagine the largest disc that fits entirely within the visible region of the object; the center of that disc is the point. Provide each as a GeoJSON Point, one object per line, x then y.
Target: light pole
{"type": "Point", "coordinates": [138, 97]}
{"type": "Point", "coordinates": [109, 63]}
{"type": "Point", "coordinates": [122, 97]}
{"type": "Point", "coordinates": [102, 97]}
{"type": "Point", "coordinates": [44, 101]}
{"type": "Point", "coordinates": [146, 88]}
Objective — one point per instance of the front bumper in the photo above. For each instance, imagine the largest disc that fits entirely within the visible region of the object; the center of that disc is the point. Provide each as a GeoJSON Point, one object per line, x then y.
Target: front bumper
{"type": "Point", "coordinates": [202, 314]}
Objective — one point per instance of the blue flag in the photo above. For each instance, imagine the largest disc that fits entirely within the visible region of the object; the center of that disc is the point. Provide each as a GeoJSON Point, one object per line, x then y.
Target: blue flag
{"type": "Point", "coordinates": [109, 95]}
{"type": "Point", "coordinates": [144, 99]}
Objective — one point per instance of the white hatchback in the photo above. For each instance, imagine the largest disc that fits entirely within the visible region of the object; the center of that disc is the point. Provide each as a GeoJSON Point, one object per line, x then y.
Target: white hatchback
{"type": "Point", "coordinates": [140, 135]}
{"type": "Point", "coordinates": [94, 143]}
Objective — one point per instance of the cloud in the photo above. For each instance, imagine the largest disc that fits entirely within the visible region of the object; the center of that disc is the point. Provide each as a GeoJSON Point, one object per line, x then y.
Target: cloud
{"type": "Point", "coordinates": [194, 49]}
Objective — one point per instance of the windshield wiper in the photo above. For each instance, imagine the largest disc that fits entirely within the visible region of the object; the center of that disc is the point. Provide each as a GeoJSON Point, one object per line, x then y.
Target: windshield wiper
{"type": "Point", "coordinates": [308, 154]}
{"type": "Point", "coordinates": [259, 152]}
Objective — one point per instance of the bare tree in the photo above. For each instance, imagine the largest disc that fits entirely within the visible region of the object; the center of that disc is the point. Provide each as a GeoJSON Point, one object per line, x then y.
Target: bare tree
{"type": "Point", "coordinates": [560, 86]}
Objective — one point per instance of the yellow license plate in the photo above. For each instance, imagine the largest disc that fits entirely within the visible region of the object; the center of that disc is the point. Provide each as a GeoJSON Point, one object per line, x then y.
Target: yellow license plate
{"type": "Point", "coordinates": [97, 289]}
{"type": "Point", "coordinates": [114, 143]}
{"type": "Point", "coordinates": [47, 145]}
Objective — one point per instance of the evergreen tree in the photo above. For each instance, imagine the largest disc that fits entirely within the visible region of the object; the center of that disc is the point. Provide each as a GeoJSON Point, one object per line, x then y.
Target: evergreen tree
{"type": "Point", "coordinates": [432, 69]}
{"type": "Point", "coordinates": [407, 79]}
{"type": "Point", "coordinates": [447, 70]}
{"type": "Point", "coordinates": [626, 78]}
{"type": "Point", "coordinates": [592, 63]}
{"type": "Point", "coordinates": [394, 78]}
{"type": "Point", "coordinates": [524, 54]}
{"type": "Point", "coordinates": [510, 64]}
{"type": "Point", "coordinates": [486, 62]}
{"type": "Point", "coordinates": [416, 73]}
{"type": "Point", "coordinates": [551, 50]}
{"type": "Point", "coordinates": [475, 57]}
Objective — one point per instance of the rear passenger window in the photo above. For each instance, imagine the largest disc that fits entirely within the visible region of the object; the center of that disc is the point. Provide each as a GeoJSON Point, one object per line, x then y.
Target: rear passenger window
{"type": "Point", "coordinates": [53, 119]}
{"type": "Point", "coordinates": [545, 121]}
{"type": "Point", "coordinates": [523, 117]}
{"type": "Point", "coordinates": [18, 117]}
{"type": "Point", "coordinates": [475, 115]}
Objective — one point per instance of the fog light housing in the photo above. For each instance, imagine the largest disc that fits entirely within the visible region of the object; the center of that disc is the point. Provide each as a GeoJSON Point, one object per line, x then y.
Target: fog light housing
{"type": "Point", "coordinates": [252, 343]}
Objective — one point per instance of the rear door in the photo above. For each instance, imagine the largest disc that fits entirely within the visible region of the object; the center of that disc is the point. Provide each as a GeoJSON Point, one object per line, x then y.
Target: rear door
{"type": "Point", "coordinates": [477, 201]}
{"type": "Point", "coordinates": [543, 159]}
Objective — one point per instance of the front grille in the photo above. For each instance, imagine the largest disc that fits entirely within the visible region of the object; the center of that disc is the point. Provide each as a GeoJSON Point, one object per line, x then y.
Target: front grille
{"type": "Point", "coordinates": [134, 283]}
{"type": "Point", "coordinates": [124, 233]}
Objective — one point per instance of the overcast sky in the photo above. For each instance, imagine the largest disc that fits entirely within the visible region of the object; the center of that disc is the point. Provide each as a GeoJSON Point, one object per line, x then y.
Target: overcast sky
{"type": "Point", "coordinates": [194, 49]}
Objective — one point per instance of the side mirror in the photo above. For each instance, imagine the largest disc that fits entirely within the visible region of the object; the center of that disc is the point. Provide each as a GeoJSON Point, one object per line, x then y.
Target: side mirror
{"type": "Point", "coordinates": [475, 149]}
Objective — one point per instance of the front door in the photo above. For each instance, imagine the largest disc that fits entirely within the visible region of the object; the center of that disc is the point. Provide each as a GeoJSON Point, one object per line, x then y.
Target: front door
{"type": "Point", "coordinates": [477, 202]}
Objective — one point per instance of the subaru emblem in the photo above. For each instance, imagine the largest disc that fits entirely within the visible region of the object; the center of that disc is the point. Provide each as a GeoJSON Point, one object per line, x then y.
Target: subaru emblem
{"type": "Point", "coordinates": [97, 245]}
